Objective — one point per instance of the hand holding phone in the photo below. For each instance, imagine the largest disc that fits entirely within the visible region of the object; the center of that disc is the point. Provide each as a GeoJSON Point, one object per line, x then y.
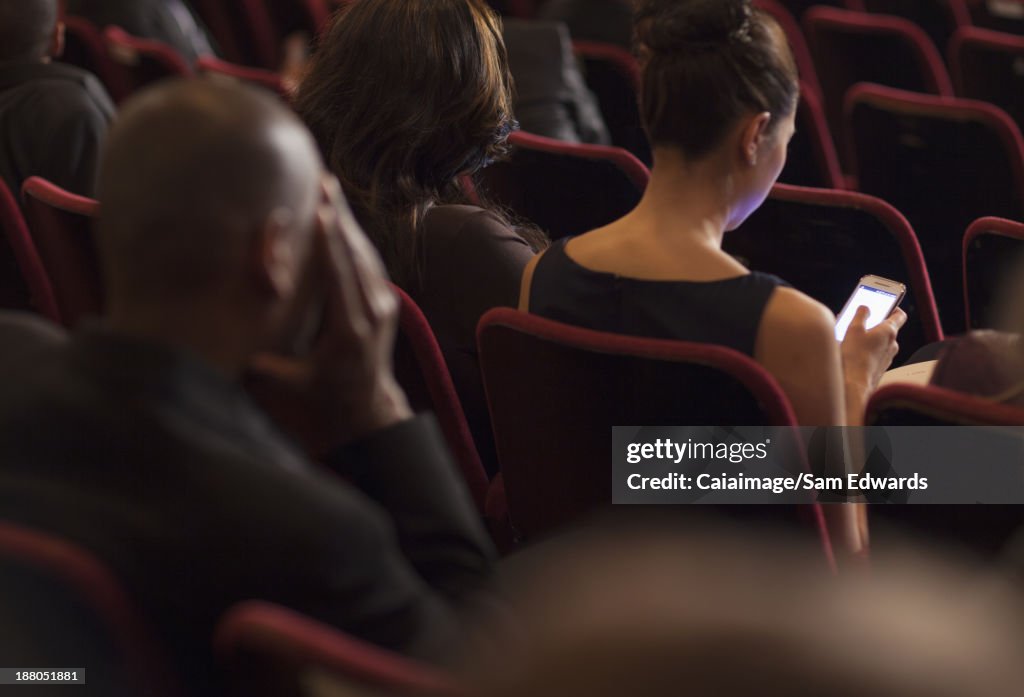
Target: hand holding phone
{"type": "Point", "coordinates": [879, 295]}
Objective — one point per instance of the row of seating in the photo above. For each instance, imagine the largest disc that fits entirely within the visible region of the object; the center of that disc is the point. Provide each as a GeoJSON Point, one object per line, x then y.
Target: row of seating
{"type": "Point", "coordinates": [125, 63]}
{"type": "Point", "coordinates": [820, 240]}
{"type": "Point", "coordinates": [832, 235]}
{"type": "Point", "coordinates": [942, 162]}
{"type": "Point", "coordinates": [264, 649]}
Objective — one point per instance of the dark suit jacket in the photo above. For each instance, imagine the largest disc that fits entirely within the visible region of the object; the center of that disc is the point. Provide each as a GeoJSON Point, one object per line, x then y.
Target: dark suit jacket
{"type": "Point", "coordinates": [606, 21]}
{"type": "Point", "coordinates": [53, 119]}
{"type": "Point", "coordinates": [167, 471]}
{"type": "Point", "coordinates": [551, 97]}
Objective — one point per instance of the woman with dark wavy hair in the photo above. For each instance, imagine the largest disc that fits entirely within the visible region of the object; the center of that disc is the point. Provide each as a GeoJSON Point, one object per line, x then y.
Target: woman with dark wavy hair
{"type": "Point", "coordinates": [405, 97]}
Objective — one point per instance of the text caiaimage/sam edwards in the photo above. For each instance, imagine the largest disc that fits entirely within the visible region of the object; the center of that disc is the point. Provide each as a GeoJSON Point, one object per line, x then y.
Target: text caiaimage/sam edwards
{"type": "Point", "coordinates": [803, 482]}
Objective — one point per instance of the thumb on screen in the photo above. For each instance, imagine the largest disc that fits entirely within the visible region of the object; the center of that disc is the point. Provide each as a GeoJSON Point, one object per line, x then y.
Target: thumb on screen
{"type": "Point", "coordinates": [860, 317]}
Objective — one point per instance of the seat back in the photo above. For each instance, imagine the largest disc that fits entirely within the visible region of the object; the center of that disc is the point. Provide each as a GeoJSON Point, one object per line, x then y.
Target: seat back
{"type": "Point", "coordinates": [914, 405]}
{"type": "Point", "coordinates": [221, 21]}
{"type": "Point", "coordinates": [423, 374]}
{"type": "Point", "coordinates": [993, 252]}
{"type": "Point", "coordinates": [797, 43]}
{"type": "Point", "coordinates": [565, 188]}
{"type": "Point", "coordinates": [852, 47]}
{"type": "Point", "coordinates": [798, 8]}
{"type": "Point", "coordinates": [85, 48]}
{"type": "Point", "coordinates": [208, 65]}
{"type": "Point", "coordinates": [61, 225]}
{"type": "Point", "coordinates": [943, 163]}
{"type": "Point", "coordinates": [812, 159]}
{"type": "Point", "coordinates": [613, 75]}
{"type": "Point", "coordinates": [556, 391]}
{"type": "Point", "coordinates": [989, 66]}
{"type": "Point", "coordinates": [24, 283]}
{"type": "Point", "coordinates": [824, 241]}
{"type": "Point", "coordinates": [266, 649]}
{"type": "Point", "coordinates": [142, 61]}
{"type": "Point", "coordinates": [938, 18]}
{"type": "Point", "coordinates": [70, 610]}
{"type": "Point", "coordinates": [981, 529]}
{"type": "Point", "coordinates": [289, 16]}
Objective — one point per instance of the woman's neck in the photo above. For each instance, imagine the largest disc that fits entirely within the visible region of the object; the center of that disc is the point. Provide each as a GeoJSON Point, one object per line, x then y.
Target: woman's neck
{"type": "Point", "coordinates": [686, 202]}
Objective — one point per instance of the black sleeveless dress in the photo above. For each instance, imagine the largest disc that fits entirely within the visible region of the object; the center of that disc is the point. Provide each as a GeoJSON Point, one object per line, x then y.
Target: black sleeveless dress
{"type": "Point", "coordinates": [726, 313]}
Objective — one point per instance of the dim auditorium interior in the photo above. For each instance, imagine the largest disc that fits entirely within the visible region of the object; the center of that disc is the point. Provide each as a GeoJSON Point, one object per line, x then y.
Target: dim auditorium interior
{"type": "Point", "coordinates": [254, 442]}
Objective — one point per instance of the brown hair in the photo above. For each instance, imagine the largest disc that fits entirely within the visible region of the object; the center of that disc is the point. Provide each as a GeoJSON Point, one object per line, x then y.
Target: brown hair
{"type": "Point", "coordinates": [706, 63]}
{"type": "Point", "coordinates": [403, 97]}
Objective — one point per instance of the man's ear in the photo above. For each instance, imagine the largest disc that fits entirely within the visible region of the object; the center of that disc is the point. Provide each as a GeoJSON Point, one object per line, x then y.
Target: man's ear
{"type": "Point", "coordinates": [274, 259]}
{"type": "Point", "coordinates": [752, 137]}
{"type": "Point", "coordinates": [57, 40]}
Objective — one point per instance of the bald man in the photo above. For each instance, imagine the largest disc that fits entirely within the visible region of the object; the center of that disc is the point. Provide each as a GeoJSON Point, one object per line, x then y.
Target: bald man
{"type": "Point", "coordinates": [228, 254]}
{"type": "Point", "coordinates": [53, 117]}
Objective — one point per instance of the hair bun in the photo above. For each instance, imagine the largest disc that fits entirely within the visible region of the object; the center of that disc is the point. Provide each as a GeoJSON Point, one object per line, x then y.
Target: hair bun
{"type": "Point", "coordinates": [667, 26]}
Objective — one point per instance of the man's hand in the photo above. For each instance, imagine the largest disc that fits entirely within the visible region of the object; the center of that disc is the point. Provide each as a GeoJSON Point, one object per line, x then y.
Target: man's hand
{"type": "Point", "coordinates": [345, 388]}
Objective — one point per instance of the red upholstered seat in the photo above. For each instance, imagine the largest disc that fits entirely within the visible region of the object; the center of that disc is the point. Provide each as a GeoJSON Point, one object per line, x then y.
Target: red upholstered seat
{"type": "Point", "coordinates": [265, 648]}
{"type": "Point", "coordinates": [943, 162]}
{"type": "Point", "coordinates": [556, 391]}
{"type": "Point", "coordinates": [61, 224]}
{"type": "Point", "coordinates": [565, 188]}
{"type": "Point", "coordinates": [823, 241]}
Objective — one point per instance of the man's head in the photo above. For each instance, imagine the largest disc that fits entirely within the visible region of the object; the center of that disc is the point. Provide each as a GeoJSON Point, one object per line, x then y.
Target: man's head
{"type": "Point", "coordinates": [209, 195]}
{"type": "Point", "coordinates": [29, 29]}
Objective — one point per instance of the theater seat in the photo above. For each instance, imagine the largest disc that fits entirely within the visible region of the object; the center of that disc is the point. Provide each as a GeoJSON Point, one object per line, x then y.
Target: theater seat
{"type": "Point", "coordinates": [943, 163]}
{"type": "Point", "coordinates": [142, 61]}
{"type": "Point", "coordinates": [993, 252]}
{"type": "Point", "coordinates": [987, 66]}
{"type": "Point", "coordinates": [853, 47]}
{"type": "Point", "coordinates": [61, 224]}
{"type": "Point", "coordinates": [270, 651]}
{"type": "Point", "coordinates": [556, 391]}
{"type": "Point", "coordinates": [982, 531]}
{"type": "Point", "coordinates": [613, 75]}
{"type": "Point", "coordinates": [938, 18]}
{"type": "Point", "coordinates": [824, 241]}
{"type": "Point", "coordinates": [812, 159]}
{"type": "Point", "coordinates": [565, 188]}
{"type": "Point", "coordinates": [209, 65]}
{"type": "Point", "coordinates": [797, 43]}
{"type": "Point", "coordinates": [25, 283]}
{"type": "Point", "coordinates": [62, 608]}
{"type": "Point", "coordinates": [85, 47]}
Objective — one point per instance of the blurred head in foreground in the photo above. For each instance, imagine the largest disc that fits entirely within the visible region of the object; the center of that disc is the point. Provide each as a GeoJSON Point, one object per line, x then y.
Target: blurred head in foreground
{"type": "Point", "coordinates": [662, 615]}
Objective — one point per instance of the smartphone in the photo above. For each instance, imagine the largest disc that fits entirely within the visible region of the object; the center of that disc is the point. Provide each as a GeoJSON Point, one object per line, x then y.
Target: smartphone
{"type": "Point", "coordinates": [879, 295]}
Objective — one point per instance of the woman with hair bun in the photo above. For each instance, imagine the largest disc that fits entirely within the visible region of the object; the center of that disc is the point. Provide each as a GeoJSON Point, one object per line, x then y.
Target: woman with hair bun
{"type": "Point", "coordinates": [719, 93]}
{"type": "Point", "coordinates": [405, 97]}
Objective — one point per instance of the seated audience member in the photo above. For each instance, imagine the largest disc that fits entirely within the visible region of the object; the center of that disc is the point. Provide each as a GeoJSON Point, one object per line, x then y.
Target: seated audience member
{"type": "Point", "coordinates": [405, 97]}
{"type": "Point", "coordinates": [169, 21]}
{"type": "Point", "coordinates": [221, 239]}
{"type": "Point", "coordinates": [53, 117]}
{"type": "Point", "coordinates": [605, 21]}
{"type": "Point", "coordinates": [643, 619]}
{"type": "Point", "coordinates": [551, 98]}
{"type": "Point", "coordinates": [719, 93]}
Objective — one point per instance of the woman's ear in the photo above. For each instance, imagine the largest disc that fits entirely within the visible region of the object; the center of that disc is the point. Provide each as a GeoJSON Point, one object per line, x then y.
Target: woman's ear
{"type": "Point", "coordinates": [752, 137]}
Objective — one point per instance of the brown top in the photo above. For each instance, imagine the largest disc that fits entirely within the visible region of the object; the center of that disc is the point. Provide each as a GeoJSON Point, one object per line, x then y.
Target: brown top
{"type": "Point", "coordinates": [472, 262]}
